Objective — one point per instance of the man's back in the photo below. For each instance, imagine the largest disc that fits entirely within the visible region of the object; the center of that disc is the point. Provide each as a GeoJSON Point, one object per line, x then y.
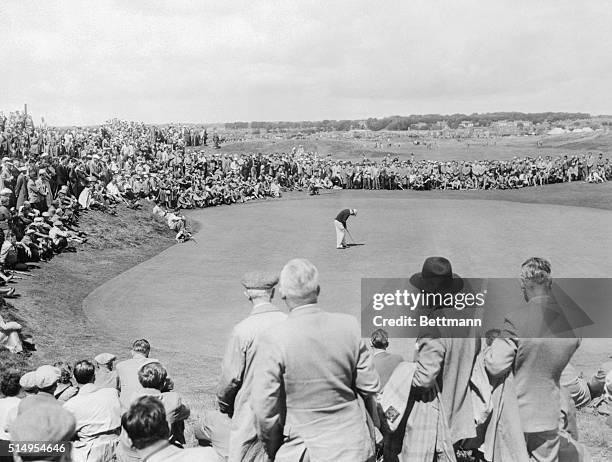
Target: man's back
{"type": "Point", "coordinates": [236, 371]}
{"type": "Point", "coordinates": [128, 378]}
{"type": "Point", "coordinates": [543, 348]}
{"type": "Point", "coordinates": [107, 379]}
{"type": "Point", "coordinates": [541, 357]}
{"type": "Point", "coordinates": [318, 361]}
{"type": "Point", "coordinates": [171, 453]}
{"type": "Point", "coordinates": [96, 410]}
{"type": "Point", "coordinates": [385, 363]}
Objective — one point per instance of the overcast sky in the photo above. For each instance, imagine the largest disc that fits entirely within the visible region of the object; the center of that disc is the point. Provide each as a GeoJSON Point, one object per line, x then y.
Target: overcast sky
{"type": "Point", "coordinates": [199, 61]}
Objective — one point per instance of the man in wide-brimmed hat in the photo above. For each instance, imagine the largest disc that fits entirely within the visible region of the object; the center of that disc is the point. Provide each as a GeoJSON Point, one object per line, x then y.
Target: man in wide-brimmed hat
{"type": "Point", "coordinates": [445, 361]}
{"type": "Point", "coordinates": [437, 276]}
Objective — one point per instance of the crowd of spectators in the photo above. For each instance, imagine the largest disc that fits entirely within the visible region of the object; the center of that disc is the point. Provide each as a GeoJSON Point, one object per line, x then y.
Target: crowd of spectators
{"type": "Point", "coordinates": [121, 162]}
{"type": "Point", "coordinates": [299, 383]}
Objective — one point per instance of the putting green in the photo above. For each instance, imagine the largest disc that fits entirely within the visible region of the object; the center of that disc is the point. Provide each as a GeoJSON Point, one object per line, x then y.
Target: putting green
{"type": "Point", "coordinates": [186, 299]}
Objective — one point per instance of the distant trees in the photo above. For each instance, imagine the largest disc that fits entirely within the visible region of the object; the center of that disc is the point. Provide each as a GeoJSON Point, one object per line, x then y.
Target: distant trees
{"type": "Point", "coordinates": [418, 122]}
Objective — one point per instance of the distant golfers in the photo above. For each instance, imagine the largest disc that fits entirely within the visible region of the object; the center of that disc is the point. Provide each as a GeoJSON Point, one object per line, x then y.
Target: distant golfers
{"type": "Point", "coordinates": [340, 224]}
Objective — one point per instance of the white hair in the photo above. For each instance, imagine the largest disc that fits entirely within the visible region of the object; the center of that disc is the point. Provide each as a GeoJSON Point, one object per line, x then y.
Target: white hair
{"type": "Point", "coordinates": [299, 279]}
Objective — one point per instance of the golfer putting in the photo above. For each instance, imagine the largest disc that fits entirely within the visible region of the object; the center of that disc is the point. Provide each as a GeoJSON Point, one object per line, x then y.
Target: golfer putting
{"type": "Point", "coordinates": [341, 229]}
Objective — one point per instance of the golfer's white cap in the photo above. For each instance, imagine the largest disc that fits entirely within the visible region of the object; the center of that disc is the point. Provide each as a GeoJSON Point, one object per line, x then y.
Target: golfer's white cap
{"type": "Point", "coordinates": [354, 211]}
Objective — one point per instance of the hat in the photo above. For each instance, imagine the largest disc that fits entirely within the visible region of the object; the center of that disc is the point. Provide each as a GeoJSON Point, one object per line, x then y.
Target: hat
{"type": "Point", "coordinates": [42, 171]}
{"type": "Point", "coordinates": [39, 220]}
{"type": "Point", "coordinates": [105, 358]}
{"type": "Point", "coordinates": [437, 276]}
{"type": "Point", "coordinates": [259, 280]}
{"type": "Point", "coordinates": [29, 381]}
{"type": "Point", "coordinates": [47, 376]}
{"type": "Point", "coordinates": [46, 214]}
{"type": "Point", "coordinates": [6, 192]}
{"type": "Point", "coordinates": [44, 422]}
{"type": "Point", "coordinates": [92, 178]}
{"type": "Point", "coordinates": [354, 212]}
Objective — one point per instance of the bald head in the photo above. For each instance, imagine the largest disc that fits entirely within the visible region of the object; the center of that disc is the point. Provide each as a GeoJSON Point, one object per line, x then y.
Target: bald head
{"type": "Point", "coordinates": [299, 282]}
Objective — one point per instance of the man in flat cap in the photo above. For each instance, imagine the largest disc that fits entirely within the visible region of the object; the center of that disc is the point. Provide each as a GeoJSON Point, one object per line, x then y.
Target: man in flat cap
{"type": "Point", "coordinates": [106, 375]}
{"type": "Point", "coordinates": [234, 388]}
{"type": "Point", "coordinates": [46, 422]}
{"type": "Point", "coordinates": [46, 378]}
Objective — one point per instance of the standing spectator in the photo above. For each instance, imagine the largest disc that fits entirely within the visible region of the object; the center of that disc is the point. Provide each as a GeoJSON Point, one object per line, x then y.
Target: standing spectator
{"type": "Point", "coordinates": [536, 345]}
{"type": "Point", "coordinates": [444, 361]}
{"type": "Point", "coordinates": [98, 417]}
{"type": "Point", "coordinates": [313, 370]}
{"type": "Point", "coordinates": [237, 373]}
{"type": "Point", "coordinates": [36, 197]}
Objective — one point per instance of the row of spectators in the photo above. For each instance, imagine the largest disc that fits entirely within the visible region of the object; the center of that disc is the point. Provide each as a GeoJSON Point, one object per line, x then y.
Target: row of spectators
{"type": "Point", "coordinates": [124, 161]}
{"type": "Point", "coordinates": [301, 384]}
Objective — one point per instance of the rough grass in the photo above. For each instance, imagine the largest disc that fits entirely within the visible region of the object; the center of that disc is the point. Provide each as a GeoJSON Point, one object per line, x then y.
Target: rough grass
{"type": "Point", "coordinates": [50, 305]}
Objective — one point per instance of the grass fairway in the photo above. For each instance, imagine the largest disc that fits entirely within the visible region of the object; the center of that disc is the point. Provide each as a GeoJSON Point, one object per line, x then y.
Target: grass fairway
{"type": "Point", "coordinates": [339, 146]}
{"type": "Point", "coordinates": [186, 299]}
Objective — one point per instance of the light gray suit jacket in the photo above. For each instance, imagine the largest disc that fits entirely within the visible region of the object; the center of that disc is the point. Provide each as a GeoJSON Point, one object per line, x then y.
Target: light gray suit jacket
{"type": "Point", "coordinates": [531, 346]}
{"type": "Point", "coordinates": [310, 370]}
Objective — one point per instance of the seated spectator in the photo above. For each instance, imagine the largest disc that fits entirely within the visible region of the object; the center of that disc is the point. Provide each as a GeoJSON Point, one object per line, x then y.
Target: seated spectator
{"type": "Point", "coordinates": [106, 375]}
{"type": "Point", "coordinates": [45, 422]}
{"type": "Point", "coordinates": [384, 363]}
{"type": "Point", "coordinates": [98, 417]}
{"type": "Point", "coordinates": [65, 390]}
{"type": "Point", "coordinates": [10, 257]}
{"type": "Point", "coordinates": [29, 383]}
{"type": "Point", "coordinates": [9, 387]}
{"type": "Point", "coordinates": [147, 431]}
{"type": "Point", "coordinates": [9, 335]}
{"type": "Point", "coordinates": [598, 381]}
{"type": "Point", "coordinates": [129, 385]}
{"type": "Point", "coordinates": [155, 382]}
{"type": "Point", "coordinates": [46, 378]}
{"type": "Point", "coordinates": [576, 386]}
